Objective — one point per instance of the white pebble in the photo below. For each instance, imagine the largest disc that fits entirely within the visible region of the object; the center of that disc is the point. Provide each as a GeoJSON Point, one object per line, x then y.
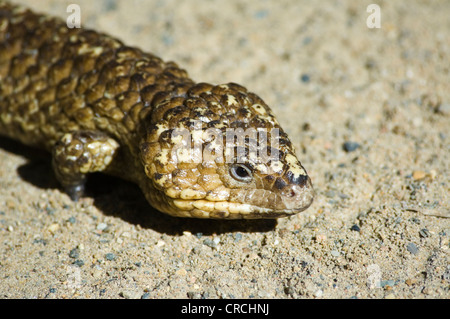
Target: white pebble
{"type": "Point", "coordinates": [102, 226]}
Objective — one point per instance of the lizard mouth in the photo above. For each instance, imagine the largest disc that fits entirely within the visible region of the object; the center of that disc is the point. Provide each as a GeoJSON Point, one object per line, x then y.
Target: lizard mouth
{"type": "Point", "coordinates": [291, 200]}
{"type": "Point", "coordinates": [221, 209]}
{"type": "Point", "coordinates": [231, 210]}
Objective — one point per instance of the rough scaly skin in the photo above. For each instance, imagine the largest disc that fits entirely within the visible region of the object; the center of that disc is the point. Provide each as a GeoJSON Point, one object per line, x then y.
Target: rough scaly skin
{"type": "Point", "coordinates": [99, 105]}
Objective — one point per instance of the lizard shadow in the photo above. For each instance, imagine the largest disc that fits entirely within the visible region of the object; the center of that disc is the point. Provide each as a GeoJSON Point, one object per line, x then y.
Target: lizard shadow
{"type": "Point", "coordinates": [123, 199]}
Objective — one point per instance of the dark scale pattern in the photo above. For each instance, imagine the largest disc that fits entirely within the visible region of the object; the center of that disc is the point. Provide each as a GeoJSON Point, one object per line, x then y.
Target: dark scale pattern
{"type": "Point", "coordinates": [54, 78]}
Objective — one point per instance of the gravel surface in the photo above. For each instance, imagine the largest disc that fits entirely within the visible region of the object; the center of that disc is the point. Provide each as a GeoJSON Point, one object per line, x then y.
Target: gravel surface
{"type": "Point", "coordinates": [367, 109]}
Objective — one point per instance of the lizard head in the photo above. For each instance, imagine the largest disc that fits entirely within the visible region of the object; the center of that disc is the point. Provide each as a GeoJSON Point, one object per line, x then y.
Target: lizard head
{"type": "Point", "coordinates": [219, 152]}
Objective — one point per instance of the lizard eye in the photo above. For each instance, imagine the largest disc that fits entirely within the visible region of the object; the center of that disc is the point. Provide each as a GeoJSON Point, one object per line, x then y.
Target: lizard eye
{"type": "Point", "coordinates": [241, 173]}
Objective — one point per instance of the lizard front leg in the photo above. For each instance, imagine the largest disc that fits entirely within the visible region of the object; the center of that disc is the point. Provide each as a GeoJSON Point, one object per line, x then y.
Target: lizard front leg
{"type": "Point", "coordinates": [78, 153]}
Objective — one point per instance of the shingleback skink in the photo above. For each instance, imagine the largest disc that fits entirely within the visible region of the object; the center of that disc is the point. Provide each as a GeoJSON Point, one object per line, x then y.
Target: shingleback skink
{"type": "Point", "coordinates": [100, 106]}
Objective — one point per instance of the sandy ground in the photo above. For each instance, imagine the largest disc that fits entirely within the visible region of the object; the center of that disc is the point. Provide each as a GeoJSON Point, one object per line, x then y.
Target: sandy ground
{"type": "Point", "coordinates": [379, 227]}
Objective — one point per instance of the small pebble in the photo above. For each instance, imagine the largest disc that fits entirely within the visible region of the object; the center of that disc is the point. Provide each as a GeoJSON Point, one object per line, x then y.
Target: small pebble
{"type": "Point", "coordinates": [160, 243]}
{"type": "Point", "coordinates": [50, 210]}
{"type": "Point", "coordinates": [208, 242]}
{"type": "Point", "coordinates": [412, 248]}
{"type": "Point", "coordinates": [129, 294]}
{"type": "Point", "coordinates": [78, 262]}
{"type": "Point", "coordinates": [146, 295]}
{"type": "Point", "coordinates": [321, 238]}
{"type": "Point", "coordinates": [443, 108]}
{"type": "Point", "coordinates": [335, 253]}
{"type": "Point", "coordinates": [371, 64]}
{"type": "Point", "coordinates": [305, 78]}
{"type": "Point", "coordinates": [237, 237]}
{"type": "Point", "coordinates": [307, 40]}
{"type": "Point", "coordinates": [419, 175]}
{"type": "Point", "coordinates": [110, 5]}
{"type": "Point", "coordinates": [410, 282]}
{"type": "Point", "coordinates": [167, 40]}
{"type": "Point", "coordinates": [424, 233]}
{"type": "Point", "coordinates": [181, 272]}
{"type": "Point", "coordinates": [194, 295]}
{"type": "Point", "coordinates": [387, 283]}
{"type": "Point", "coordinates": [289, 290]}
{"type": "Point", "coordinates": [102, 226]}
{"type": "Point", "coordinates": [350, 146]}
{"type": "Point", "coordinates": [330, 194]}
{"type": "Point", "coordinates": [260, 14]}
{"type": "Point", "coordinates": [97, 273]}
{"type": "Point", "coordinates": [343, 196]}
{"type": "Point", "coordinates": [432, 174]}
{"type": "Point", "coordinates": [306, 126]}
{"type": "Point", "coordinates": [53, 228]}
{"type": "Point", "coordinates": [126, 234]}
{"type": "Point", "coordinates": [426, 291]}
{"type": "Point", "coordinates": [74, 253]}
{"type": "Point", "coordinates": [40, 241]}
{"type": "Point", "coordinates": [355, 228]}
{"type": "Point", "coordinates": [110, 256]}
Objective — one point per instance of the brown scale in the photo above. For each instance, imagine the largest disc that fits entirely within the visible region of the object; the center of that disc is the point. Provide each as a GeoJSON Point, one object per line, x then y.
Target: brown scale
{"type": "Point", "coordinates": [98, 105]}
